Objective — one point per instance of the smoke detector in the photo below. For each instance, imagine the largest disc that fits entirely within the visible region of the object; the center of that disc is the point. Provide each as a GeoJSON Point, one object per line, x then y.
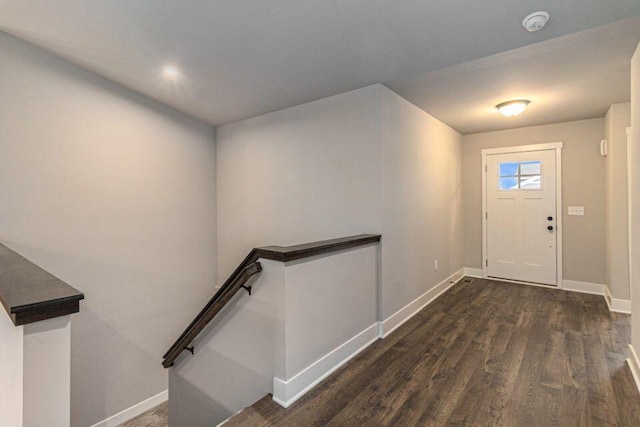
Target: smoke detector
{"type": "Point", "coordinates": [535, 21]}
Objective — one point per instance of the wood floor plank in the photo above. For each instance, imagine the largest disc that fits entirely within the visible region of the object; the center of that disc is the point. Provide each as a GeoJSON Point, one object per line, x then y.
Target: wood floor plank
{"type": "Point", "coordinates": [575, 362]}
{"type": "Point", "coordinates": [575, 407]}
{"type": "Point", "coordinates": [496, 401]}
{"type": "Point", "coordinates": [548, 407]}
{"type": "Point", "coordinates": [601, 397]}
{"type": "Point", "coordinates": [469, 410]}
{"type": "Point", "coordinates": [522, 408]}
{"type": "Point", "coordinates": [553, 368]}
{"type": "Point", "coordinates": [497, 348]}
{"type": "Point", "coordinates": [485, 353]}
{"type": "Point", "coordinates": [440, 377]}
{"type": "Point", "coordinates": [439, 410]}
{"type": "Point", "coordinates": [556, 317]}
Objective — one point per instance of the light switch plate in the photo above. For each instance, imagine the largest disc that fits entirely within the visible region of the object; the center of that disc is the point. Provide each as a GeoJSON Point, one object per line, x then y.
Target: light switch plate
{"type": "Point", "coordinates": [576, 210]}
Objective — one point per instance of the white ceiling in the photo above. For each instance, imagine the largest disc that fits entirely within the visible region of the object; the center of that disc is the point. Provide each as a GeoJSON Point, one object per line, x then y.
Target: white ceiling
{"type": "Point", "coordinates": [573, 77]}
{"type": "Point", "coordinates": [243, 58]}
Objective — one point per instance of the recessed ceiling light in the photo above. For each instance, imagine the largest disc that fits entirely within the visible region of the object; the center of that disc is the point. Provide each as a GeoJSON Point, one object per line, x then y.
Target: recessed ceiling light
{"type": "Point", "coordinates": [512, 108]}
{"type": "Point", "coordinates": [170, 72]}
{"type": "Point", "coordinates": [535, 21]}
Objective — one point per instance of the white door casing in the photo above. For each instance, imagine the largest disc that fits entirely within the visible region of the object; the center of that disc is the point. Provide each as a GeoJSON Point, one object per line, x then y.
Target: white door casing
{"type": "Point", "coordinates": [522, 210]}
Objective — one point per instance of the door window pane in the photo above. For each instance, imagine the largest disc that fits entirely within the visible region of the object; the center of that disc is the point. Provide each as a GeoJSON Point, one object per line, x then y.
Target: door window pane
{"type": "Point", "coordinates": [509, 169]}
{"type": "Point", "coordinates": [530, 182]}
{"type": "Point", "coordinates": [526, 175]}
{"type": "Point", "coordinates": [530, 168]}
{"type": "Point", "coordinates": [509, 183]}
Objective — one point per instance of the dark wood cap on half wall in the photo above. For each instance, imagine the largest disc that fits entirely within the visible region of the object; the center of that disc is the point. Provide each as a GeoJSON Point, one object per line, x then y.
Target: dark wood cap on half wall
{"type": "Point", "coordinates": [306, 250]}
{"type": "Point", "coordinates": [31, 294]}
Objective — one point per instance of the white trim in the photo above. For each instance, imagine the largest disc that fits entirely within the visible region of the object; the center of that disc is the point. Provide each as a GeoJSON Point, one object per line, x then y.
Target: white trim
{"type": "Point", "coordinates": [519, 282]}
{"type": "Point", "coordinates": [484, 214]}
{"type": "Point", "coordinates": [559, 214]}
{"type": "Point", "coordinates": [522, 148]}
{"type": "Point", "coordinates": [630, 168]}
{"type": "Point", "coordinates": [473, 272]}
{"type": "Point", "coordinates": [134, 411]}
{"type": "Point", "coordinates": [585, 287]}
{"type": "Point", "coordinates": [394, 321]}
{"type": "Point", "coordinates": [557, 146]}
{"type": "Point", "coordinates": [287, 392]}
{"type": "Point", "coordinates": [620, 306]}
{"type": "Point", "coordinates": [615, 305]}
{"type": "Point", "coordinates": [634, 366]}
{"type": "Point", "coordinates": [380, 329]}
{"type": "Point", "coordinates": [12, 377]}
{"type": "Point", "coordinates": [607, 297]}
{"type": "Point", "coordinates": [567, 285]}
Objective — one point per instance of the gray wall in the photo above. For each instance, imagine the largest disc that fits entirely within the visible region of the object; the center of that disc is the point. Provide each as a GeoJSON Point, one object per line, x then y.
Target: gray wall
{"type": "Point", "coordinates": [635, 199]}
{"type": "Point", "coordinates": [616, 121]}
{"type": "Point", "coordinates": [421, 202]}
{"type": "Point", "coordinates": [306, 173]}
{"type": "Point", "coordinates": [114, 194]}
{"type": "Point", "coordinates": [314, 310]}
{"type": "Point", "coordinates": [583, 184]}
{"type": "Point", "coordinates": [363, 161]}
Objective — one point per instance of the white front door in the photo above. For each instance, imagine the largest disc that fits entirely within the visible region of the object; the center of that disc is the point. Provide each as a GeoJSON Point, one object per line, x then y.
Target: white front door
{"type": "Point", "coordinates": [521, 216]}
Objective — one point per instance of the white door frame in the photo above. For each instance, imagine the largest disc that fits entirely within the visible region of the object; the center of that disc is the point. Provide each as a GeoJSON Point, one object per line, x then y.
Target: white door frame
{"type": "Point", "coordinates": [630, 167]}
{"type": "Point", "coordinates": [557, 146]}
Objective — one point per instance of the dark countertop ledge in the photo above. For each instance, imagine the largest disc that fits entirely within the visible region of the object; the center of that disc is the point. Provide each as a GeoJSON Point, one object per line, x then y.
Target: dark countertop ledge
{"type": "Point", "coordinates": [30, 294]}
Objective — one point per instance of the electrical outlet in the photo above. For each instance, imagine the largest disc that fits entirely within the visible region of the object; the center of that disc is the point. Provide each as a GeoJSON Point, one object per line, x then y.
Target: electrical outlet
{"type": "Point", "coordinates": [576, 210]}
{"type": "Point", "coordinates": [435, 265]}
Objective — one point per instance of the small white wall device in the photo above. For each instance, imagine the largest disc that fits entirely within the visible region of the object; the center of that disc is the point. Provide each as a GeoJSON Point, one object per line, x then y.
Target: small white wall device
{"type": "Point", "coordinates": [604, 150]}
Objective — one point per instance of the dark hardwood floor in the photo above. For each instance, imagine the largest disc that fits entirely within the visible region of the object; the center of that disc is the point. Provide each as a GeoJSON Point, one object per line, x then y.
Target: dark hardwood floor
{"type": "Point", "coordinates": [484, 353]}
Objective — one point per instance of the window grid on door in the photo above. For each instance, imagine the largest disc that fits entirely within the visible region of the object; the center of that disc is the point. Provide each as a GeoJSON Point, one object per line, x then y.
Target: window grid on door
{"type": "Point", "coordinates": [524, 175]}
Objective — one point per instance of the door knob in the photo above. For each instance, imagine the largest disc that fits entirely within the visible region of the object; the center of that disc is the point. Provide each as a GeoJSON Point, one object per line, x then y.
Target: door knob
{"type": "Point", "coordinates": [549, 218]}
{"type": "Point", "coordinates": [550, 228]}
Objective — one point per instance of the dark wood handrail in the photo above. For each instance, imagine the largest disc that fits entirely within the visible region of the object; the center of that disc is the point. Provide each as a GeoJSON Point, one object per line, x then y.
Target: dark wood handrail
{"type": "Point", "coordinates": [219, 300]}
{"type": "Point", "coordinates": [249, 267]}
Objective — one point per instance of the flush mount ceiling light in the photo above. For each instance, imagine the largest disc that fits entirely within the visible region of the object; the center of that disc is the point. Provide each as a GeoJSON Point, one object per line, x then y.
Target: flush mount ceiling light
{"type": "Point", "coordinates": [170, 72]}
{"type": "Point", "coordinates": [512, 108]}
{"type": "Point", "coordinates": [535, 21]}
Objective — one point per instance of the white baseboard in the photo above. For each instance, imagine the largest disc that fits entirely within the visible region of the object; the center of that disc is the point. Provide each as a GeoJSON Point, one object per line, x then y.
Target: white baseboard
{"type": "Point", "coordinates": [607, 297]}
{"type": "Point", "coordinates": [473, 272]}
{"type": "Point", "coordinates": [394, 321]}
{"type": "Point", "coordinates": [134, 411]}
{"type": "Point", "coordinates": [287, 392]}
{"type": "Point", "coordinates": [585, 287]}
{"type": "Point", "coordinates": [517, 282]}
{"type": "Point", "coordinates": [634, 365]}
{"type": "Point", "coordinates": [615, 305]}
{"type": "Point", "coordinates": [620, 306]}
